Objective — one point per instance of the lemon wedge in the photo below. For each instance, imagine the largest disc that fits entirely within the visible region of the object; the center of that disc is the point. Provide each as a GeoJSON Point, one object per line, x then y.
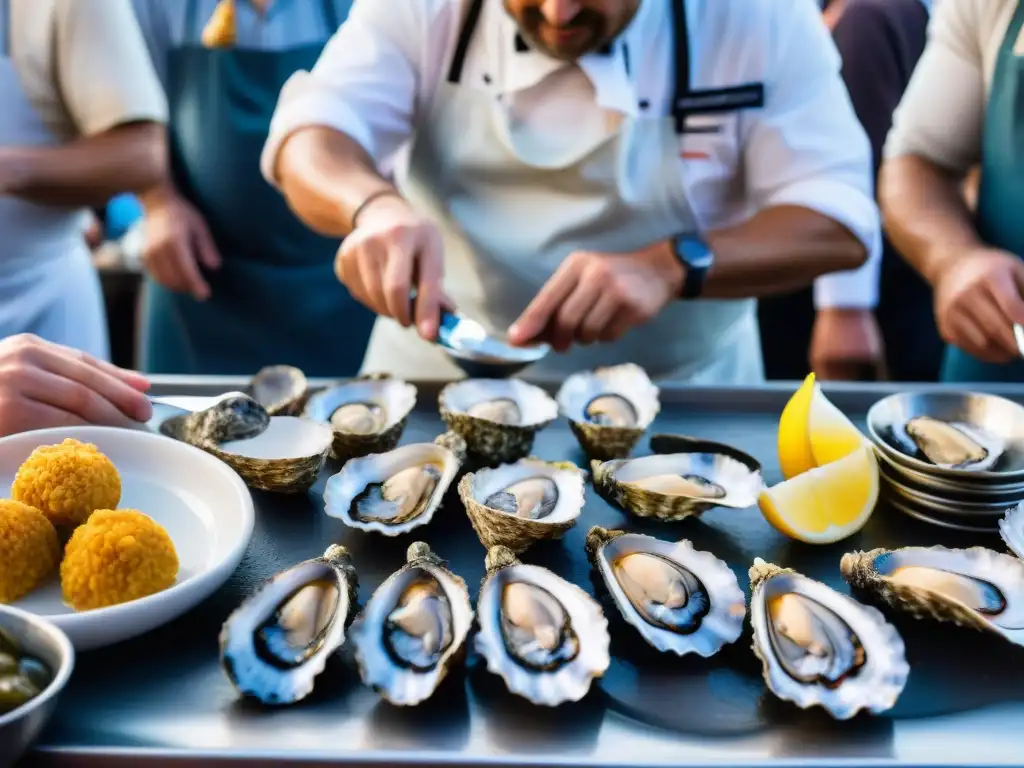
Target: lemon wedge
{"type": "Point", "coordinates": [814, 432]}
{"type": "Point", "coordinates": [795, 456]}
{"type": "Point", "coordinates": [825, 504]}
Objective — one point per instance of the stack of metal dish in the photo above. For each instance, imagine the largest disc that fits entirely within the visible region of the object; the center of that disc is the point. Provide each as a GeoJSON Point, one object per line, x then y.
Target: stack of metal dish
{"type": "Point", "coordinates": [951, 459]}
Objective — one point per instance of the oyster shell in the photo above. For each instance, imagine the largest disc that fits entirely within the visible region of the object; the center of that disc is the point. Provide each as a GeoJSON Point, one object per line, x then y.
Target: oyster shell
{"type": "Point", "coordinates": [516, 505]}
{"type": "Point", "coordinates": [273, 646]}
{"type": "Point", "coordinates": [1011, 529]}
{"type": "Point", "coordinates": [368, 414]}
{"type": "Point", "coordinates": [950, 445]}
{"type": "Point", "coordinates": [413, 629]}
{"type": "Point", "coordinates": [281, 389]}
{"type": "Point", "coordinates": [546, 637]}
{"type": "Point", "coordinates": [973, 587]}
{"type": "Point", "coordinates": [678, 598]}
{"type": "Point", "coordinates": [392, 493]}
{"type": "Point", "coordinates": [271, 453]}
{"type": "Point", "coordinates": [820, 647]}
{"type": "Point", "coordinates": [609, 409]}
{"type": "Point", "coordinates": [497, 417]}
{"type": "Point", "coordinates": [672, 486]}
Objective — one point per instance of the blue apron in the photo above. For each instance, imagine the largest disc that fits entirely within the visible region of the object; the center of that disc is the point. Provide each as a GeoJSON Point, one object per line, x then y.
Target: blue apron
{"type": "Point", "coordinates": [1000, 193]}
{"type": "Point", "coordinates": [275, 299]}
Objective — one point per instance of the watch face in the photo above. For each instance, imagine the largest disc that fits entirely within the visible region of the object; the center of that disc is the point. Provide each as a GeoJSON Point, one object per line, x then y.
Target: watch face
{"type": "Point", "coordinates": [695, 252]}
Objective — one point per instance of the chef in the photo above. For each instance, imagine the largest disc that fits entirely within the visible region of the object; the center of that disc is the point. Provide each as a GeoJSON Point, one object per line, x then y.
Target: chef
{"type": "Point", "coordinates": [235, 281]}
{"type": "Point", "coordinates": [81, 115]}
{"type": "Point", "coordinates": [963, 108]}
{"type": "Point", "coordinates": [615, 177]}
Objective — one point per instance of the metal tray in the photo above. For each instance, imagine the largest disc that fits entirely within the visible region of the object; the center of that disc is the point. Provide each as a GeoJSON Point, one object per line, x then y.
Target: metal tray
{"type": "Point", "coordinates": [162, 698]}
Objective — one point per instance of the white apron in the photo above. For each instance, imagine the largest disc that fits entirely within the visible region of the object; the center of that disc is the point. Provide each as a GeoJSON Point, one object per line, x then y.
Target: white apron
{"type": "Point", "coordinates": [48, 285]}
{"type": "Point", "coordinates": [508, 218]}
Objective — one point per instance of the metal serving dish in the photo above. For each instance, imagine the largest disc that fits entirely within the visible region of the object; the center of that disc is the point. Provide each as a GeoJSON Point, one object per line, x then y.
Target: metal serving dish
{"type": "Point", "coordinates": [480, 354]}
{"type": "Point", "coordinates": [39, 638]}
{"type": "Point", "coordinates": [960, 509]}
{"type": "Point", "coordinates": [977, 494]}
{"type": "Point", "coordinates": [994, 415]}
{"type": "Point", "coordinates": [968, 525]}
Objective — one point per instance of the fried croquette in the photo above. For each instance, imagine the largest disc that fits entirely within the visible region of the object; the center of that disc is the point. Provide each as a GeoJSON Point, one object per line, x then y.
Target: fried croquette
{"type": "Point", "coordinates": [67, 482]}
{"type": "Point", "coordinates": [116, 556]}
{"type": "Point", "coordinates": [29, 549]}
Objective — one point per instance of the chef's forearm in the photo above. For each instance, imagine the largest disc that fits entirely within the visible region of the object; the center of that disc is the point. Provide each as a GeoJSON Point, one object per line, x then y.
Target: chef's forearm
{"type": "Point", "coordinates": [325, 177]}
{"type": "Point", "coordinates": [780, 249]}
{"type": "Point", "coordinates": [925, 213]}
{"type": "Point", "coordinates": [87, 171]}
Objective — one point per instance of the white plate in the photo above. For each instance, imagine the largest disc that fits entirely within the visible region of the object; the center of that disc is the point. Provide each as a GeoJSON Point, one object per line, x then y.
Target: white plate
{"type": "Point", "coordinates": [203, 504]}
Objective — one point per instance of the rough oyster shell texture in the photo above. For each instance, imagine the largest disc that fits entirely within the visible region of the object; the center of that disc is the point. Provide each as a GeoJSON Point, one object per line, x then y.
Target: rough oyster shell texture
{"type": "Point", "coordinates": [498, 418]}
{"type": "Point", "coordinates": [820, 647]}
{"type": "Point", "coordinates": [506, 486]}
{"type": "Point", "coordinates": [1011, 529]}
{"type": "Point", "coordinates": [679, 599]}
{"type": "Point", "coordinates": [973, 587]}
{"type": "Point", "coordinates": [413, 629]}
{"type": "Point", "coordinates": [367, 415]}
{"type": "Point", "coordinates": [609, 409]}
{"type": "Point", "coordinates": [273, 646]}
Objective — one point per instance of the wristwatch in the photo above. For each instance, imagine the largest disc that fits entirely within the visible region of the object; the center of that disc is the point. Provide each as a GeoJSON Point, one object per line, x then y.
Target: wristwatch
{"type": "Point", "coordinates": [697, 258]}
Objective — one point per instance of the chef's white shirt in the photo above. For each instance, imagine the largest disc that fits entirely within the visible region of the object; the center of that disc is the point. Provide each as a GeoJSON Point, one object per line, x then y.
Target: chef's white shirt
{"type": "Point", "coordinates": [380, 72]}
{"type": "Point", "coordinates": [943, 110]}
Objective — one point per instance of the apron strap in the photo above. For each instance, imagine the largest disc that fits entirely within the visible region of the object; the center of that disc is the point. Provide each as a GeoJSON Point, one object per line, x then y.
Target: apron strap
{"type": "Point", "coordinates": [191, 34]}
{"type": "Point", "coordinates": [330, 13]}
{"type": "Point", "coordinates": [682, 63]}
{"type": "Point", "coordinates": [465, 38]}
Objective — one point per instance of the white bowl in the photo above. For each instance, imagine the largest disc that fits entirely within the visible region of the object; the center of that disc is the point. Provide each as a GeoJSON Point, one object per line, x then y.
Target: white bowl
{"type": "Point", "coordinates": [203, 504]}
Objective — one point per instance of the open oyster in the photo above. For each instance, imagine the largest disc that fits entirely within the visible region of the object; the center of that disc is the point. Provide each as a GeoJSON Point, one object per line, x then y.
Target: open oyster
{"type": "Point", "coordinates": [1011, 529]}
{"type": "Point", "coordinates": [609, 409]}
{"type": "Point", "coordinates": [271, 453]}
{"type": "Point", "coordinates": [412, 629]}
{"type": "Point", "coordinates": [678, 598]}
{"type": "Point", "coordinates": [950, 445]}
{"type": "Point", "coordinates": [973, 587]}
{"type": "Point", "coordinates": [547, 638]}
{"type": "Point", "coordinates": [394, 492]}
{"type": "Point", "coordinates": [672, 486]}
{"type": "Point", "coordinates": [281, 389]}
{"type": "Point", "coordinates": [820, 647]}
{"type": "Point", "coordinates": [367, 414]}
{"type": "Point", "coordinates": [497, 417]}
{"type": "Point", "coordinates": [275, 644]}
{"type": "Point", "coordinates": [518, 504]}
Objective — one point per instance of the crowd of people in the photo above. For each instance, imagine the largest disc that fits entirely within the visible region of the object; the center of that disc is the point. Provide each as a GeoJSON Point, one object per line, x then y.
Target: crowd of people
{"type": "Point", "coordinates": [720, 192]}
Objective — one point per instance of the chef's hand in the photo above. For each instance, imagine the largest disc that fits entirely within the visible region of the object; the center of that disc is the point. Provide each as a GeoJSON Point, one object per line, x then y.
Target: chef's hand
{"type": "Point", "coordinates": [599, 296]}
{"type": "Point", "coordinates": [177, 244]}
{"type": "Point", "coordinates": [846, 345]}
{"type": "Point", "coordinates": [48, 385]}
{"type": "Point", "coordinates": [392, 251]}
{"type": "Point", "coordinates": [978, 298]}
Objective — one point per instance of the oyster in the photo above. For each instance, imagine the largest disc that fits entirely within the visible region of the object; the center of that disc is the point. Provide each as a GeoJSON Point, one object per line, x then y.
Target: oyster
{"type": "Point", "coordinates": [412, 629]}
{"type": "Point", "coordinates": [368, 415]}
{"type": "Point", "coordinates": [672, 486]}
{"type": "Point", "coordinates": [497, 417]}
{"type": "Point", "coordinates": [678, 598]}
{"type": "Point", "coordinates": [274, 645]}
{"type": "Point", "coordinates": [609, 409]}
{"type": "Point", "coordinates": [271, 453]}
{"type": "Point", "coordinates": [281, 389]}
{"type": "Point", "coordinates": [518, 504]}
{"type": "Point", "coordinates": [546, 637]}
{"type": "Point", "coordinates": [1011, 529]}
{"type": "Point", "coordinates": [973, 587]}
{"type": "Point", "coordinates": [394, 492]}
{"type": "Point", "coordinates": [951, 445]}
{"type": "Point", "coordinates": [820, 647]}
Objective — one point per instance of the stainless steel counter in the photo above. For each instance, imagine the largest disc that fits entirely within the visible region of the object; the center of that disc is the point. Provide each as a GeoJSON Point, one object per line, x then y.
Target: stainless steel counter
{"type": "Point", "coordinates": [162, 699]}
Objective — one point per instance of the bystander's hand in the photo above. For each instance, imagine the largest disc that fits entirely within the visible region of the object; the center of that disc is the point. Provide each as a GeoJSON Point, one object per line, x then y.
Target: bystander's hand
{"type": "Point", "coordinates": [178, 245]}
{"type": "Point", "coordinates": [846, 345]}
{"type": "Point", "coordinates": [49, 385]}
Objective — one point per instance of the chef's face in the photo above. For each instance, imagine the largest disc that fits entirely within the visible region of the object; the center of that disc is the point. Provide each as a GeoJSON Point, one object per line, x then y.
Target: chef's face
{"type": "Point", "coordinates": [568, 29]}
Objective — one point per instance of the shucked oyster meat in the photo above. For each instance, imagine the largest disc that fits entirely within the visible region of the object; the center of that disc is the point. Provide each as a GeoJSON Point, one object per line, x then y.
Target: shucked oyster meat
{"type": "Point", "coordinates": [952, 445]}
{"type": "Point", "coordinates": [516, 505]}
{"type": "Point", "coordinates": [276, 643]}
{"type": "Point", "coordinates": [545, 637]}
{"type": "Point", "coordinates": [394, 492]}
{"type": "Point", "coordinates": [973, 587]}
{"type": "Point", "coordinates": [413, 629]}
{"type": "Point", "coordinates": [678, 598]}
{"type": "Point", "coordinates": [820, 647]}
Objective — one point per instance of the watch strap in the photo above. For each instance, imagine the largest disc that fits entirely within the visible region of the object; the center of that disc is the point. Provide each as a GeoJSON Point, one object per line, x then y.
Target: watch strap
{"type": "Point", "coordinates": [697, 258]}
